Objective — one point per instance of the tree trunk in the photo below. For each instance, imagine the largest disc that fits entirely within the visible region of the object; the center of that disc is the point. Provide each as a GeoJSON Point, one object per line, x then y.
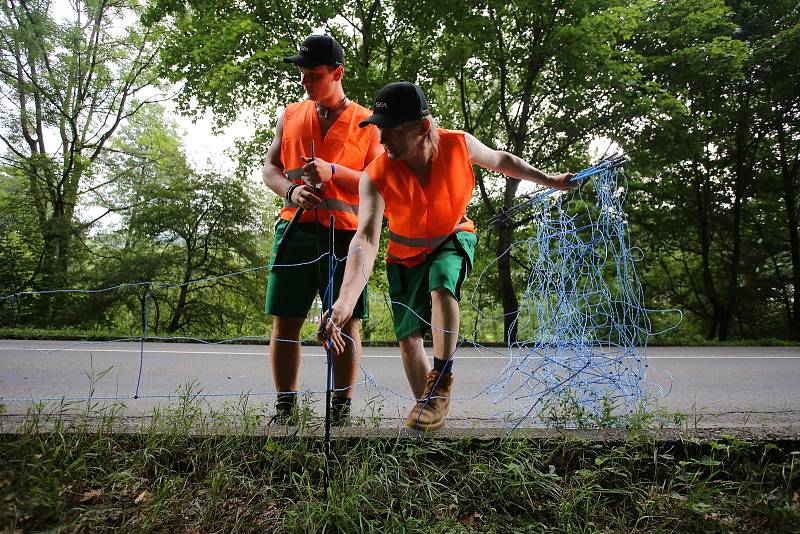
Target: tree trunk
{"type": "Point", "coordinates": [702, 195]}
{"type": "Point", "coordinates": [790, 194]}
{"type": "Point", "coordinates": [743, 178]}
{"type": "Point", "coordinates": [729, 309]}
{"type": "Point", "coordinates": [180, 308]}
{"type": "Point", "coordinates": [508, 296]}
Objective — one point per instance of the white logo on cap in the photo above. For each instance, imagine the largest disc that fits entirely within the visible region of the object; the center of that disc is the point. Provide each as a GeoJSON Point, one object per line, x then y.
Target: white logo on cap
{"type": "Point", "coordinates": [381, 105]}
{"type": "Point", "coordinates": [304, 49]}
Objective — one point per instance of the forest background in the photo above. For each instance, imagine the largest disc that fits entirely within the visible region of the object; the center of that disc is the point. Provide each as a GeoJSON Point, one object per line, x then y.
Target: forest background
{"type": "Point", "coordinates": [96, 190]}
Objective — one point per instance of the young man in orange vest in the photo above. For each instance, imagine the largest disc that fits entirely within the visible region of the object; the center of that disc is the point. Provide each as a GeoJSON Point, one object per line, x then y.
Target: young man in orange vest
{"type": "Point", "coordinates": [315, 162]}
{"type": "Point", "coordinates": [422, 184]}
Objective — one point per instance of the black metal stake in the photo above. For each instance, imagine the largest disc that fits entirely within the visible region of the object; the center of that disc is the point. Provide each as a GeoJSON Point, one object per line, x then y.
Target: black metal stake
{"type": "Point", "coordinates": [329, 358]}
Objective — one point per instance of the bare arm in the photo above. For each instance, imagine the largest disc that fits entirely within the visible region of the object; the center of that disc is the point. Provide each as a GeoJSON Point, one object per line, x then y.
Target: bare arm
{"type": "Point", "coordinates": [273, 174]}
{"type": "Point", "coordinates": [360, 262]}
{"type": "Point", "coordinates": [364, 245]}
{"type": "Point", "coordinates": [513, 166]}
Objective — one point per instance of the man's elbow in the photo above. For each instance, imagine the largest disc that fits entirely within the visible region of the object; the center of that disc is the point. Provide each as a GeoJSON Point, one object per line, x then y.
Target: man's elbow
{"type": "Point", "coordinates": [365, 243]}
{"type": "Point", "coordinates": [505, 160]}
{"type": "Point", "coordinates": [270, 171]}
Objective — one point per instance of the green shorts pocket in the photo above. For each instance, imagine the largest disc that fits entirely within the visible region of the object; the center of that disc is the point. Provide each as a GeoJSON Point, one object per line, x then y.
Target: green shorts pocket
{"type": "Point", "coordinates": [394, 275]}
{"type": "Point", "coordinates": [467, 242]}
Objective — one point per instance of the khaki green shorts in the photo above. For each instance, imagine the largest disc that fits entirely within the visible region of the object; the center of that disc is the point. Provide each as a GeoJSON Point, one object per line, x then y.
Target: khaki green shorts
{"type": "Point", "coordinates": [410, 287]}
{"type": "Point", "coordinates": [291, 289]}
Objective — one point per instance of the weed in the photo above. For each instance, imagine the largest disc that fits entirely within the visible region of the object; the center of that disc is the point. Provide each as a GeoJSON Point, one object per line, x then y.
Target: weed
{"type": "Point", "coordinates": [192, 469]}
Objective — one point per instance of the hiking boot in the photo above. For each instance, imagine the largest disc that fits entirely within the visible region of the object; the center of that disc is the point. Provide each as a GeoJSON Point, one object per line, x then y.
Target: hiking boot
{"type": "Point", "coordinates": [340, 411]}
{"type": "Point", "coordinates": [430, 410]}
{"type": "Point", "coordinates": [285, 409]}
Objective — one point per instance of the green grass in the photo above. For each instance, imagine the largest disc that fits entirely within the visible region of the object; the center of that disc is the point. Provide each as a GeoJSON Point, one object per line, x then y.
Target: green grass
{"type": "Point", "coordinates": [191, 469]}
{"type": "Point", "coordinates": [72, 334]}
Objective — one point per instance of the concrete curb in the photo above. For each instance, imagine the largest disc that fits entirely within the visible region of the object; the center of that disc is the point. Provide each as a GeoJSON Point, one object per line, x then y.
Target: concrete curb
{"type": "Point", "coordinates": [11, 425]}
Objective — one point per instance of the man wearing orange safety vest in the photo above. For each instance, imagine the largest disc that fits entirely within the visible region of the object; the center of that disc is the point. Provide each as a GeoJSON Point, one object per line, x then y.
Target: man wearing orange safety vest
{"type": "Point", "coordinates": [422, 184]}
{"type": "Point", "coordinates": [315, 162]}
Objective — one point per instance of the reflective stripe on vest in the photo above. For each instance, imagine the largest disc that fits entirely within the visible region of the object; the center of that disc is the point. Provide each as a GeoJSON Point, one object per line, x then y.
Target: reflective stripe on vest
{"type": "Point", "coordinates": [344, 144]}
{"type": "Point", "coordinates": [330, 204]}
{"type": "Point", "coordinates": [428, 242]}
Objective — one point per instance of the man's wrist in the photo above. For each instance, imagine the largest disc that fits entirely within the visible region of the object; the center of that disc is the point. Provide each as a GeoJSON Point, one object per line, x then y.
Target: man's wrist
{"type": "Point", "coordinates": [343, 303]}
{"type": "Point", "coordinates": [290, 191]}
{"type": "Point", "coordinates": [541, 176]}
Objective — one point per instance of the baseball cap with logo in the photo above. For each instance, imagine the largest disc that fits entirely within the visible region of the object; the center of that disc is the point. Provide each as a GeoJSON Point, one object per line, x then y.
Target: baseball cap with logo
{"type": "Point", "coordinates": [318, 50]}
{"type": "Point", "coordinates": [396, 103]}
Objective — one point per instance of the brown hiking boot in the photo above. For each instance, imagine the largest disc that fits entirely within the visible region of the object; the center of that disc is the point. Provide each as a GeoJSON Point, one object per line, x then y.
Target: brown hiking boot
{"type": "Point", "coordinates": [430, 410]}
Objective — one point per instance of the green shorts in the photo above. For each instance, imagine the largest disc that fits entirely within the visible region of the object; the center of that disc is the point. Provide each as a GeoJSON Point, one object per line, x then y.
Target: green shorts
{"type": "Point", "coordinates": [291, 289]}
{"type": "Point", "coordinates": [410, 287]}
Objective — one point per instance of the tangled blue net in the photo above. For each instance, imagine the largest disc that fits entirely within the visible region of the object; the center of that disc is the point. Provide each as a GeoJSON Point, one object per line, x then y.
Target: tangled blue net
{"type": "Point", "coordinates": [579, 356]}
{"type": "Point", "coordinates": [582, 325]}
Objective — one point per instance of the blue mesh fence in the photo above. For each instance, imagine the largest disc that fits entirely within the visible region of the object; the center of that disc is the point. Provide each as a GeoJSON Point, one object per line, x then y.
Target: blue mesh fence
{"type": "Point", "coordinates": [583, 327]}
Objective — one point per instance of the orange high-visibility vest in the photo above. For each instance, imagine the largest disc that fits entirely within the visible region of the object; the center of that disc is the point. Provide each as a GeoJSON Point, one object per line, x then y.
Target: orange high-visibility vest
{"type": "Point", "coordinates": [344, 144]}
{"type": "Point", "coordinates": [422, 218]}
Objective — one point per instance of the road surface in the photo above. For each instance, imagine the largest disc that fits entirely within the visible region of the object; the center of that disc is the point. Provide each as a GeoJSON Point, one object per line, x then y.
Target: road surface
{"type": "Point", "coordinates": [713, 386]}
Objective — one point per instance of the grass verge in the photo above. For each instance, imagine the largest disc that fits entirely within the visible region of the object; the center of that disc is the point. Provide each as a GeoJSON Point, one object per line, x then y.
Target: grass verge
{"type": "Point", "coordinates": [186, 470]}
{"type": "Point", "coordinates": [24, 333]}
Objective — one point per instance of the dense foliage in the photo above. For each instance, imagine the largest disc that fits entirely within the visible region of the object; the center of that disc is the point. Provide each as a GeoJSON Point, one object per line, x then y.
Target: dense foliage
{"type": "Point", "coordinates": [706, 94]}
{"type": "Point", "coordinates": [195, 471]}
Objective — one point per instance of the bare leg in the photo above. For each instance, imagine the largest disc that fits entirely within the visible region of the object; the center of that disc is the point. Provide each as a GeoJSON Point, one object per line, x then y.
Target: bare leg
{"type": "Point", "coordinates": [285, 355]}
{"type": "Point", "coordinates": [445, 322]}
{"type": "Point", "coordinates": [415, 362]}
{"type": "Point", "coordinates": [430, 411]}
{"type": "Point", "coordinates": [345, 366]}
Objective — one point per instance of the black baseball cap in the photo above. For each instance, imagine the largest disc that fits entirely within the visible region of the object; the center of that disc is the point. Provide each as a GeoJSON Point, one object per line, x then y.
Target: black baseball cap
{"type": "Point", "coordinates": [396, 103]}
{"type": "Point", "coordinates": [318, 50]}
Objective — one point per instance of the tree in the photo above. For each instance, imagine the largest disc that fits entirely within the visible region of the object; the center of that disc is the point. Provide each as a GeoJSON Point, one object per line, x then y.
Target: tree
{"type": "Point", "coordinates": [20, 243]}
{"type": "Point", "coordinates": [776, 63]}
{"type": "Point", "coordinates": [509, 59]}
{"type": "Point", "coordinates": [540, 80]}
{"type": "Point", "coordinates": [705, 91]}
{"type": "Point", "coordinates": [704, 137]}
{"type": "Point", "coordinates": [67, 85]}
{"type": "Point", "coordinates": [183, 226]}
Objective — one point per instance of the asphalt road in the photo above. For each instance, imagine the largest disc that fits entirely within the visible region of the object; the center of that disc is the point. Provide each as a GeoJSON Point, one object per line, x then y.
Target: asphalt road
{"type": "Point", "coordinates": [718, 386]}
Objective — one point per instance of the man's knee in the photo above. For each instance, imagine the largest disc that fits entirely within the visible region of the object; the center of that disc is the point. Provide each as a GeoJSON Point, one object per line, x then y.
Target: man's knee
{"type": "Point", "coordinates": [352, 326]}
{"type": "Point", "coordinates": [411, 342]}
{"type": "Point", "coordinates": [284, 327]}
{"type": "Point", "coordinates": [442, 295]}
